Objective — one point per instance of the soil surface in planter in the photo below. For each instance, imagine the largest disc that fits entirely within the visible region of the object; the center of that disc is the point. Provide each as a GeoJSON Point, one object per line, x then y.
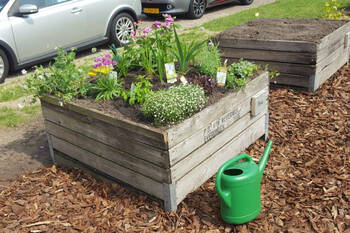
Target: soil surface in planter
{"type": "Point", "coordinates": [305, 188]}
{"type": "Point", "coordinates": [119, 108]}
{"type": "Point", "coordinates": [311, 30]}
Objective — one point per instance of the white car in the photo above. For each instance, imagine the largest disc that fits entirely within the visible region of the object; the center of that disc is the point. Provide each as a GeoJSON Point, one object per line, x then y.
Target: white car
{"type": "Point", "coordinates": [31, 30]}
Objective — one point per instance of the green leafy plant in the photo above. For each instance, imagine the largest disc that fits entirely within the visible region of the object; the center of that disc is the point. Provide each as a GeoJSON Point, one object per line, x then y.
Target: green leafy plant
{"type": "Point", "coordinates": [125, 60]}
{"type": "Point", "coordinates": [62, 79]}
{"type": "Point", "coordinates": [107, 88]}
{"type": "Point", "coordinates": [208, 59]}
{"type": "Point", "coordinates": [185, 53]}
{"type": "Point", "coordinates": [174, 104]}
{"type": "Point", "coordinates": [332, 10]}
{"type": "Point", "coordinates": [239, 74]}
{"type": "Point", "coordinates": [138, 91]}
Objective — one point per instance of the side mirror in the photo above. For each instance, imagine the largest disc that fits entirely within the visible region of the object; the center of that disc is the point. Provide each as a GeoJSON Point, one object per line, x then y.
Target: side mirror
{"type": "Point", "coordinates": [28, 9]}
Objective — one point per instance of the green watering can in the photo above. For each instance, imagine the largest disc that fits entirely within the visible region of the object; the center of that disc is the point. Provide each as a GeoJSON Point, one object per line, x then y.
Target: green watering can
{"type": "Point", "coordinates": [238, 186]}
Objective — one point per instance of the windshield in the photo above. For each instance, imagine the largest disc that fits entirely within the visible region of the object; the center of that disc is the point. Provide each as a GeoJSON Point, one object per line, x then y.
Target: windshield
{"type": "Point", "coordinates": [3, 3]}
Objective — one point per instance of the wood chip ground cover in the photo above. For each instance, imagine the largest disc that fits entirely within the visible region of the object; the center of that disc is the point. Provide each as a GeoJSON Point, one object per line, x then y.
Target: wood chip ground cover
{"type": "Point", "coordinates": [306, 186]}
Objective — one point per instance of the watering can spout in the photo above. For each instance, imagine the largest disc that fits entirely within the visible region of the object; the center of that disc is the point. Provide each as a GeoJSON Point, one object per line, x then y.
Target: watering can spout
{"type": "Point", "coordinates": [264, 158]}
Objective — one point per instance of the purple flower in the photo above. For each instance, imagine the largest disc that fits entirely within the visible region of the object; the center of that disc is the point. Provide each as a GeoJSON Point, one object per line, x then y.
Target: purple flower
{"type": "Point", "coordinates": [107, 62]}
{"type": "Point", "coordinates": [169, 20]}
{"type": "Point", "coordinates": [114, 63]}
{"type": "Point", "coordinates": [147, 30]}
{"type": "Point", "coordinates": [156, 24]}
{"type": "Point", "coordinates": [108, 55]}
{"type": "Point", "coordinates": [167, 25]}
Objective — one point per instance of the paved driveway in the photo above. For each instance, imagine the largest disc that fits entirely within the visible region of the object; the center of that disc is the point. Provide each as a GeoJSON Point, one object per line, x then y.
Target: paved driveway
{"type": "Point", "coordinates": [212, 13]}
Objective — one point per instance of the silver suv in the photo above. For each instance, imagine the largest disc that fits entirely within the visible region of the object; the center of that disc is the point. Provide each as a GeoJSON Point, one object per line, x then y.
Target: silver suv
{"type": "Point", "coordinates": [31, 30]}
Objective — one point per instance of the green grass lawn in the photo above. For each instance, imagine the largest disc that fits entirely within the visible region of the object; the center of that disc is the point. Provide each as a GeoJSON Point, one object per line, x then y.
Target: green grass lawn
{"type": "Point", "coordinates": [279, 9]}
{"type": "Point", "coordinates": [12, 93]}
{"type": "Point", "coordinates": [13, 117]}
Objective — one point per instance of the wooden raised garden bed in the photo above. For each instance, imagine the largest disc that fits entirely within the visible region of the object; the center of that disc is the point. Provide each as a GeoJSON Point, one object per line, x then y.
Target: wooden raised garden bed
{"type": "Point", "coordinates": [167, 163]}
{"type": "Point", "coordinates": [306, 52]}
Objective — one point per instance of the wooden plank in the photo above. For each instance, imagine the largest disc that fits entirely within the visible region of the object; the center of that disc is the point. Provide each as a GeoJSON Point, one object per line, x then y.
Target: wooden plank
{"type": "Point", "coordinates": [326, 51]}
{"type": "Point", "coordinates": [120, 131]}
{"type": "Point", "coordinates": [268, 55]}
{"type": "Point", "coordinates": [116, 156]}
{"type": "Point", "coordinates": [179, 132]}
{"type": "Point", "coordinates": [334, 36]}
{"type": "Point", "coordinates": [289, 68]}
{"type": "Point", "coordinates": [291, 80]}
{"type": "Point", "coordinates": [121, 173]}
{"type": "Point", "coordinates": [148, 133]}
{"type": "Point", "coordinates": [330, 59]}
{"type": "Point", "coordinates": [200, 137]}
{"type": "Point", "coordinates": [196, 157]}
{"type": "Point", "coordinates": [106, 134]}
{"type": "Point", "coordinates": [273, 45]}
{"type": "Point", "coordinates": [329, 70]}
{"type": "Point", "coordinates": [208, 168]}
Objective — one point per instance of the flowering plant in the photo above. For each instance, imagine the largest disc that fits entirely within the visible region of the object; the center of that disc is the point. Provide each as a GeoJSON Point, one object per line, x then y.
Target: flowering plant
{"type": "Point", "coordinates": [103, 65]}
{"type": "Point", "coordinates": [332, 10]}
{"type": "Point", "coordinates": [153, 45]}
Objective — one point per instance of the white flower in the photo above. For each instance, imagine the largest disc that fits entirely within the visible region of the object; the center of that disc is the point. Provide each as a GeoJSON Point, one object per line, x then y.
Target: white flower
{"type": "Point", "coordinates": [41, 77]}
{"type": "Point", "coordinates": [257, 14]}
{"type": "Point", "coordinates": [60, 103]}
{"type": "Point", "coordinates": [25, 87]}
{"type": "Point", "coordinates": [23, 71]}
{"type": "Point", "coordinates": [20, 106]}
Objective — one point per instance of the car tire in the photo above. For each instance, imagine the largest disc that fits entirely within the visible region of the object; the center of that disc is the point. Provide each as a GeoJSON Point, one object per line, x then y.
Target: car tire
{"type": "Point", "coordinates": [246, 2]}
{"type": "Point", "coordinates": [196, 9]}
{"type": "Point", "coordinates": [4, 66]}
{"type": "Point", "coordinates": [122, 26]}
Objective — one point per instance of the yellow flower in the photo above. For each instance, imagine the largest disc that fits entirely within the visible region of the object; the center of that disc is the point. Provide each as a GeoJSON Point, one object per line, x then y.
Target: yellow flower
{"type": "Point", "coordinates": [101, 70]}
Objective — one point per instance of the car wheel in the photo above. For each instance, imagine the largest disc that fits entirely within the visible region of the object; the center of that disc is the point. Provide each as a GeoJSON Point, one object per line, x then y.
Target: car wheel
{"type": "Point", "coordinates": [197, 9]}
{"type": "Point", "coordinates": [122, 26]}
{"type": "Point", "coordinates": [246, 2]}
{"type": "Point", "coordinates": [4, 66]}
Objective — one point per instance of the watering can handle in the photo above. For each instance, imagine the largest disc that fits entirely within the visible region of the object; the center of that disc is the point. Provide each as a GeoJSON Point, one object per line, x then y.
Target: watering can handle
{"type": "Point", "coordinates": [223, 194]}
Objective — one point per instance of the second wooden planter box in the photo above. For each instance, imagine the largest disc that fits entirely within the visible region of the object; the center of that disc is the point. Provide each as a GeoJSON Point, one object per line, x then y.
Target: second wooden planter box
{"type": "Point", "coordinates": [306, 52]}
{"type": "Point", "coordinates": [165, 163]}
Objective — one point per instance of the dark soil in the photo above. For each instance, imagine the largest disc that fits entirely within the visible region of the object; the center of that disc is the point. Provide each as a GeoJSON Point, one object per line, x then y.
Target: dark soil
{"type": "Point", "coordinates": [120, 109]}
{"type": "Point", "coordinates": [305, 188]}
{"type": "Point", "coordinates": [311, 30]}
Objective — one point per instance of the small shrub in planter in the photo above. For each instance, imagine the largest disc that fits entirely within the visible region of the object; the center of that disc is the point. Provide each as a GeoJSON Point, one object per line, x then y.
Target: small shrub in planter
{"type": "Point", "coordinates": [174, 105]}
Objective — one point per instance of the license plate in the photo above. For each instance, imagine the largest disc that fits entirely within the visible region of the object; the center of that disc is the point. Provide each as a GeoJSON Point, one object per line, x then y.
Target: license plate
{"type": "Point", "coordinates": [151, 10]}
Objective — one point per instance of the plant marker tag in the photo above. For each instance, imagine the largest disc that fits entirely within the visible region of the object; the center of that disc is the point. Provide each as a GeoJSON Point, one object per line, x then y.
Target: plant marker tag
{"type": "Point", "coordinates": [183, 80]}
{"type": "Point", "coordinates": [171, 75]}
{"type": "Point", "coordinates": [113, 75]}
{"type": "Point", "coordinates": [221, 75]}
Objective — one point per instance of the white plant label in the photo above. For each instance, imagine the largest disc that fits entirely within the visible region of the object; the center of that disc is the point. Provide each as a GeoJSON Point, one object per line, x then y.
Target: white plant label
{"type": "Point", "coordinates": [221, 76]}
{"type": "Point", "coordinates": [171, 75]}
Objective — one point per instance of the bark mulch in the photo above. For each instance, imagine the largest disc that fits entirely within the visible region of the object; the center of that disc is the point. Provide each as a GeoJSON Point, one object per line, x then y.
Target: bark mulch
{"type": "Point", "coordinates": [306, 186]}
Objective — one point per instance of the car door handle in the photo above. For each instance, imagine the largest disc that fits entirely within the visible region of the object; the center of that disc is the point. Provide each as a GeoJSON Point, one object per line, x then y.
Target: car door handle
{"type": "Point", "coordinates": [76, 10]}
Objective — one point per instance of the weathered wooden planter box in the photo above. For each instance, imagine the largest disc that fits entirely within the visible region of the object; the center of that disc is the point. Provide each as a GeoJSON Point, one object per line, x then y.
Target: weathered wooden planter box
{"type": "Point", "coordinates": [165, 163]}
{"type": "Point", "coordinates": [304, 54]}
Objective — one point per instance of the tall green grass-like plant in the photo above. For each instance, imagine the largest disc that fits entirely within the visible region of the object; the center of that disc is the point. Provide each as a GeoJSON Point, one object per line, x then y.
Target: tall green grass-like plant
{"type": "Point", "coordinates": [208, 60]}
{"type": "Point", "coordinates": [185, 53]}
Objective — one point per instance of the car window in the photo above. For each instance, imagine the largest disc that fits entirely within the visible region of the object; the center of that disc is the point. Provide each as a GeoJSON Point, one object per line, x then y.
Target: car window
{"type": "Point", "coordinates": [42, 3]}
{"type": "Point", "coordinates": [3, 3]}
